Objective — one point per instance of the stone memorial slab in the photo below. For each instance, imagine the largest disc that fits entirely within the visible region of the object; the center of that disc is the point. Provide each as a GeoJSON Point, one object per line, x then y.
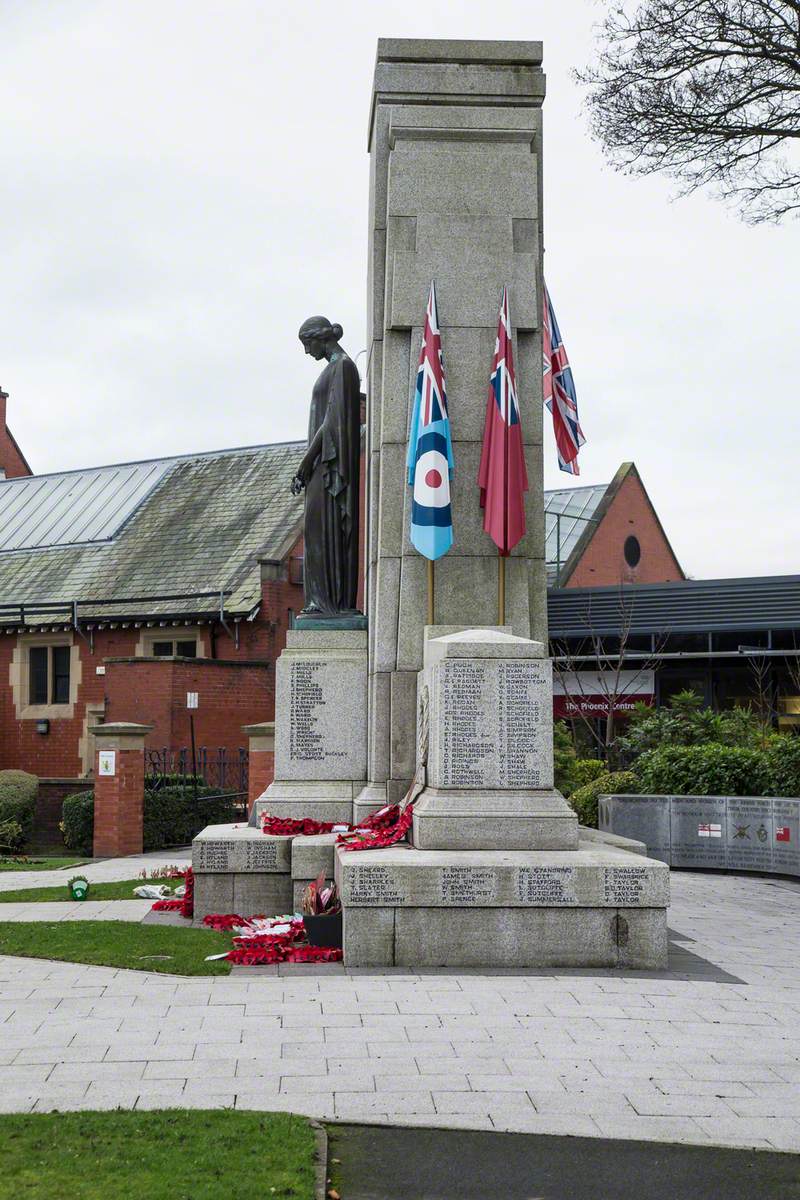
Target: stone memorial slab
{"type": "Point", "coordinates": [749, 833]}
{"type": "Point", "coordinates": [223, 849]}
{"type": "Point", "coordinates": [643, 818]}
{"type": "Point", "coordinates": [495, 937]}
{"type": "Point", "coordinates": [320, 706]}
{"type": "Point", "coordinates": [485, 740]}
{"type": "Point", "coordinates": [491, 713]}
{"type": "Point", "coordinates": [697, 831]}
{"type": "Point", "coordinates": [591, 877]}
{"type": "Point", "coordinates": [786, 836]}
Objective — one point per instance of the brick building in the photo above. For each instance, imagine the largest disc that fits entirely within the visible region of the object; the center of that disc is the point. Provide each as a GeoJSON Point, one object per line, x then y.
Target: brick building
{"type": "Point", "coordinates": [125, 588]}
{"type": "Point", "coordinates": [12, 461]}
{"type": "Point", "coordinates": [607, 534]}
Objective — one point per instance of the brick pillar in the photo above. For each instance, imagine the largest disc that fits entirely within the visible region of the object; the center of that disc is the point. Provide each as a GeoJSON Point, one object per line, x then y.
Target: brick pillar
{"type": "Point", "coordinates": [261, 764]}
{"type": "Point", "coordinates": [119, 788]}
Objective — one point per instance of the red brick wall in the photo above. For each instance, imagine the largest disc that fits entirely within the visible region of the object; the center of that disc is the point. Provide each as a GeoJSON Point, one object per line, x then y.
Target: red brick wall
{"type": "Point", "coordinates": [261, 772]}
{"type": "Point", "coordinates": [119, 807]}
{"type": "Point", "coordinates": [153, 691]}
{"type": "Point", "coordinates": [12, 460]}
{"type": "Point", "coordinates": [56, 754]}
{"type": "Point", "coordinates": [603, 561]}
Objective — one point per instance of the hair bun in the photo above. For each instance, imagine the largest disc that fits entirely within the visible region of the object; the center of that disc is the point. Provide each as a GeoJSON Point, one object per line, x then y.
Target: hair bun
{"type": "Point", "coordinates": [337, 331]}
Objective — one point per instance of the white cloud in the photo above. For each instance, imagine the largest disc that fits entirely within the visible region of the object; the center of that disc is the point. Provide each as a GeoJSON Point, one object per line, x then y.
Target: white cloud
{"type": "Point", "coordinates": [184, 182]}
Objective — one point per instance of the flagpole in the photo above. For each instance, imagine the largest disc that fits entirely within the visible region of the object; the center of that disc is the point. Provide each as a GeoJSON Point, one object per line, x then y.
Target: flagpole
{"type": "Point", "coordinates": [501, 589]}
{"type": "Point", "coordinates": [430, 591]}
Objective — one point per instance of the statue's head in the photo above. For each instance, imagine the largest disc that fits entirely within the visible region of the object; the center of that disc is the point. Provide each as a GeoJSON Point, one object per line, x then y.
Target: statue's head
{"type": "Point", "coordinates": [317, 333]}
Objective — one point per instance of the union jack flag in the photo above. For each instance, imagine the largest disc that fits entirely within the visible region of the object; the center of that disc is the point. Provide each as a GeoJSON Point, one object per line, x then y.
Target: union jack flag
{"type": "Point", "coordinates": [559, 391]}
{"type": "Point", "coordinates": [502, 477]}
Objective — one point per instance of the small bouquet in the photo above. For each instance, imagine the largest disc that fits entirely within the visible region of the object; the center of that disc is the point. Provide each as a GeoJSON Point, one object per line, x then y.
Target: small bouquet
{"type": "Point", "coordinates": [322, 913]}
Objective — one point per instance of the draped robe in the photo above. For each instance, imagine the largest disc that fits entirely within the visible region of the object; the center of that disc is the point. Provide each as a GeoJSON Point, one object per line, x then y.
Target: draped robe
{"type": "Point", "coordinates": [332, 492]}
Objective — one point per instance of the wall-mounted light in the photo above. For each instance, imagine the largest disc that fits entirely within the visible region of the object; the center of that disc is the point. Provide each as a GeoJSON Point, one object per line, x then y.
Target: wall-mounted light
{"type": "Point", "coordinates": [42, 726]}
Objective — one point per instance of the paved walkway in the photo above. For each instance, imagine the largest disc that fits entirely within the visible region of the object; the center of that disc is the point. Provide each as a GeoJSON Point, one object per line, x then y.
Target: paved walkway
{"type": "Point", "coordinates": [73, 910]}
{"type": "Point", "coordinates": [102, 871]}
{"type": "Point", "coordinates": [707, 1053]}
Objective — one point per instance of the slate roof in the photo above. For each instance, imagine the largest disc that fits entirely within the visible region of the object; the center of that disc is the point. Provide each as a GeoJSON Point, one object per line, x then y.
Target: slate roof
{"type": "Point", "coordinates": [143, 532]}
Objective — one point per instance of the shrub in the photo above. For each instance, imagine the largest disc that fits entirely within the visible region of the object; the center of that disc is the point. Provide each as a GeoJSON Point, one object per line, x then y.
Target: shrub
{"type": "Point", "coordinates": [782, 767]}
{"type": "Point", "coordinates": [564, 758]}
{"type": "Point", "coordinates": [171, 817]}
{"type": "Point", "coordinates": [10, 837]}
{"type": "Point", "coordinates": [587, 770]}
{"type": "Point", "coordinates": [685, 722]}
{"type": "Point", "coordinates": [155, 783]}
{"type": "Point", "coordinates": [77, 822]}
{"type": "Point", "coordinates": [18, 791]}
{"type": "Point", "coordinates": [610, 783]}
{"type": "Point", "coordinates": [706, 770]}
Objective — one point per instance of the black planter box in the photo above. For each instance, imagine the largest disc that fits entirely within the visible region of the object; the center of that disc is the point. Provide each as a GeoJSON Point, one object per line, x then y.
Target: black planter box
{"type": "Point", "coordinates": [324, 929]}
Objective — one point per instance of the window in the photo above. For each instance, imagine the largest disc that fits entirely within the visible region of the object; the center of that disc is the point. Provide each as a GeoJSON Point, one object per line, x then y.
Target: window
{"type": "Point", "coordinates": [632, 551]}
{"type": "Point", "coordinates": [48, 674]}
{"type": "Point", "coordinates": [183, 648]}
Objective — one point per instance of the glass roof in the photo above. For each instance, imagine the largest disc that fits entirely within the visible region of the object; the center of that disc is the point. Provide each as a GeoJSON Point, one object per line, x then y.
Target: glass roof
{"type": "Point", "coordinates": [567, 512]}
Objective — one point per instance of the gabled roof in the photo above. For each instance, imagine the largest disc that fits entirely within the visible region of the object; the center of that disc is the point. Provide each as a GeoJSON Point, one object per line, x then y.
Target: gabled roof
{"type": "Point", "coordinates": [140, 532]}
{"type": "Point", "coordinates": [585, 508]}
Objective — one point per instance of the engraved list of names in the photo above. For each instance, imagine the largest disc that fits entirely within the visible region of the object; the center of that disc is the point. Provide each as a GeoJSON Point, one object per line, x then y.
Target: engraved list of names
{"type": "Point", "coordinates": [493, 724]}
{"type": "Point", "coordinates": [306, 741]}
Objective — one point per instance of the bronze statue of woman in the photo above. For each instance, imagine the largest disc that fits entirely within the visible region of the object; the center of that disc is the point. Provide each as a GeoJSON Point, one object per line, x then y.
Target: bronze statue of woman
{"type": "Point", "coordinates": [329, 473]}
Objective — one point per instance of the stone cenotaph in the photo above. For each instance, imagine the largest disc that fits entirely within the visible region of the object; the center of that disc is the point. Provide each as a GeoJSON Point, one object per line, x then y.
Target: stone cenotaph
{"type": "Point", "coordinates": [497, 872]}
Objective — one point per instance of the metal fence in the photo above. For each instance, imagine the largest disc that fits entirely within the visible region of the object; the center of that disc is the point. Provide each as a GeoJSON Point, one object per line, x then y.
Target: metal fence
{"type": "Point", "coordinates": [221, 770]}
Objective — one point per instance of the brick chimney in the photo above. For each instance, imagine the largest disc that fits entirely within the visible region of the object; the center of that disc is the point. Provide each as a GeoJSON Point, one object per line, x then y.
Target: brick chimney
{"type": "Point", "coordinates": [12, 461]}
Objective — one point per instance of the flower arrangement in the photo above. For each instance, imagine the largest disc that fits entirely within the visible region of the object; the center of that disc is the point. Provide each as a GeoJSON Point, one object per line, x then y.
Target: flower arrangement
{"type": "Point", "coordinates": [320, 900]}
{"type": "Point", "coordinates": [322, 913]}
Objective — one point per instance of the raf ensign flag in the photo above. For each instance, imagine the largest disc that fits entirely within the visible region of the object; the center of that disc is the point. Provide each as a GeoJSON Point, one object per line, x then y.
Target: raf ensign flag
{"type": "Point", "coordinates": [430, 450]}
{"type": "Point", "coordinates": [559, 391]}
{"type": "Point", "coordinates": [502, 477]}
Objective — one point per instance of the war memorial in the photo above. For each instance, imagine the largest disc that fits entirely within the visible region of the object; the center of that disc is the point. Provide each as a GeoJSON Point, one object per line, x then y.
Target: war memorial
{"type": "Point", "coordinates": [437, 703]}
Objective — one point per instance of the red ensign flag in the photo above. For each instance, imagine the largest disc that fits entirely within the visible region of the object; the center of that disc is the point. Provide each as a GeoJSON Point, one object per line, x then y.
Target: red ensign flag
{"type": "Point", "coordinates": [502, 477]}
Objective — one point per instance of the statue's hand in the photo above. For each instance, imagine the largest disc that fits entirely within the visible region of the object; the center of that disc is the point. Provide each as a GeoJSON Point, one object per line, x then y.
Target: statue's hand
{"type": "Point", "coordinates": [298, 483]}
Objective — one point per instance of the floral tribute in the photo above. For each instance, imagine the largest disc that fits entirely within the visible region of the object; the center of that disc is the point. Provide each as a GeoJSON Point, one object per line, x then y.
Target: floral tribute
{"type": "Point", "coordinates": [387, 826]}
{"type": "Point", "coordinates": [266, 940]}
{"type": "Point", "coordinates": [183, 900]}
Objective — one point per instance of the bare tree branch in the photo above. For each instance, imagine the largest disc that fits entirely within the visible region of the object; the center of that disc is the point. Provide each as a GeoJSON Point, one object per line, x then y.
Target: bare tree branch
{"type": "Point", "coordinates": [707, 91]}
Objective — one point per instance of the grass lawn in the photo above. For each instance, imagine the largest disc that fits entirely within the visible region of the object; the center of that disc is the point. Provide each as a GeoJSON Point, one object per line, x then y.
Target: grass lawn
{"type": "Point", "coordinates": [39, 863]}
{"type": "Point", "coordinates": [167, 1155]}
{"type": "Point", "coordinates": [166, 948]}
{"type": "Point", "coordinates": [116, 890]}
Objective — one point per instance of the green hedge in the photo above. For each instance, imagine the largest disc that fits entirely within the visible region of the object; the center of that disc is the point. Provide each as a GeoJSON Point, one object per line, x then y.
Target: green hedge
{"type": "Point", "coordinates": [18, 792]}
{"type": "Point", "coordinates": [584, 799]}
{"type": "Point", "coordinates": [715, 770]}
{"type": "Point", "coordinates": [705, 770]}
{"type": "Point", "coordinates": [171, 817]}
{"type": "Point", "coordinates": [782, 767]}
{"type": "Point", "coordinates": [77, 822]}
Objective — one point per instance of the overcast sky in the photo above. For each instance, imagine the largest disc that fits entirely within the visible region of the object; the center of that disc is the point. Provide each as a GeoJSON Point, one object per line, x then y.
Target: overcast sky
{"type": "Point", "coordinates": [184, 181]}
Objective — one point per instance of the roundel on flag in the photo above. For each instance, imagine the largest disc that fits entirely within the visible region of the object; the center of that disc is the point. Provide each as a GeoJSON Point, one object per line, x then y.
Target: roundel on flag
{"type": "Point", "coordinates": [432, 480]}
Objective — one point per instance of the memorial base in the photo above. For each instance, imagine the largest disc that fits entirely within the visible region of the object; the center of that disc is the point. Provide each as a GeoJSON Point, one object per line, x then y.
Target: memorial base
{"type": "Point", "coordinates": [596, 906]}
{"type": "Point", "coordinates": [238, 869]}
{"type": "Point", "coordinates": [331, 800]}
{"type": "Point", "coordinates": [449, 819]}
